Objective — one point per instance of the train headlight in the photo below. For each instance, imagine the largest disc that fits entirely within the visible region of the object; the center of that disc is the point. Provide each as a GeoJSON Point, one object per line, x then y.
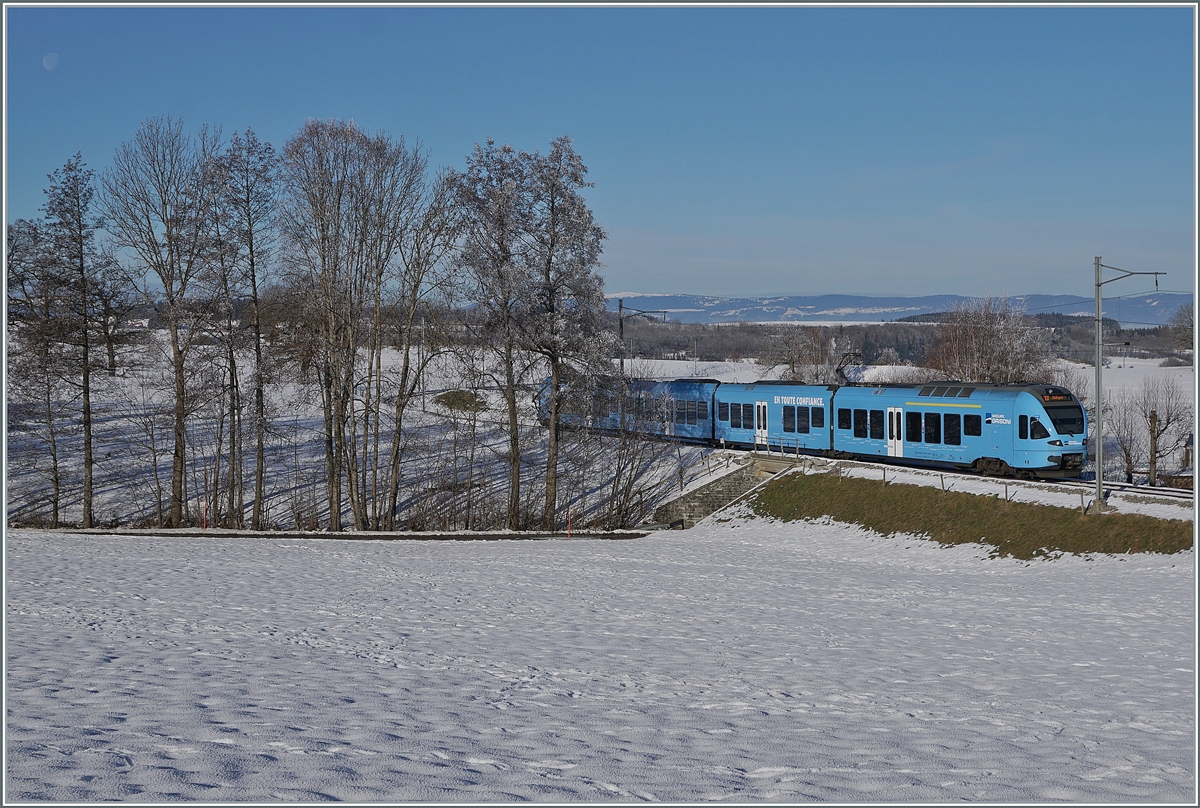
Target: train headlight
{"type": "Point", "coordinates": [1056, 443]}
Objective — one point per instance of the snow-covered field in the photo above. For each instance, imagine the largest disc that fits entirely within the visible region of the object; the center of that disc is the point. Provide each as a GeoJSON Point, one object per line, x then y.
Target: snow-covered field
{"type": "Point", "coordinates": [743, 660]}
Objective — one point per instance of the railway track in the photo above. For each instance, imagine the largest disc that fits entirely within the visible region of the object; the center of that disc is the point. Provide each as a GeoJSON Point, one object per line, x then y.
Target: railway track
{"type": "Point", "coordinates": [1126, 488]}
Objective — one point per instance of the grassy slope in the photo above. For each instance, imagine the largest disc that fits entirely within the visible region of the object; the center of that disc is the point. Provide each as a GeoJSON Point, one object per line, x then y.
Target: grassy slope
{"type": "Point", "coordinates": [1018, 529]}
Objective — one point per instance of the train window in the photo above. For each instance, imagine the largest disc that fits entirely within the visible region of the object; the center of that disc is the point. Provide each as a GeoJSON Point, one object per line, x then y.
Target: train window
{"type": "Point", "coordinates": [691, 413]}
{"type": "Point", "coordinates": [702, 410]}
{"type": "Point", "coordinates": [818, 417]}
{"type": "Point", "coordinates": [843, 419]}
{"type": "Point", "coordinates": [748, 416]}
{"type": "Point", "coordinates": [952, 429]}
{"type": "Point", "coordinates": [925, 391]}
{"type": "Point", "coordinates": [953, 392]}
{"type": "Point", "coordinates": [966, 392]}
{"type": "Point", "coordinates": [735, 415]}
{"type": "Point", "coordinates": [876, 424]}
{"type": "Point", "coordinates": [722, 410]}
{"type": "Point", "coordinates": [933, 427]}
{"type": "Point", "coordinates": [973, 425]}
{"type": "Point", "coordinates": [939, 391]}
{"type": "Point", "coordinates": [1067, 420]}
{"type": "Point", "coordinates": [860, 423]}
{"type": "Point", "coordinates": [802, 420]}
{"type": "Point", "coordinates": [680, 411]}
{"type": "Point", "coordinates": [1023, 427]}
{"type": "Point", "coordinates": [1036, 430]}
{"type": "Point", "coordinates": [912, 427]}
{"type": "Point", "coordinates": [789, 419]}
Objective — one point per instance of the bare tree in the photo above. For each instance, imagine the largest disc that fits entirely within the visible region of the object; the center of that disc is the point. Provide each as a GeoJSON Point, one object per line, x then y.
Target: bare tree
{"type": "Point", "coordinates": [1181, 328]}
{"type": "Point", "coordinates": [562, 253]}
{"type": "Point", "coordinates": [156, 196]}
{"type": "Point", "coordinates": [989, 341]}
{"type": "Point", "coordinates": [419, 313]}
{"type": "Point", "coordinates": [1166, 413]}
{"type": "Point", "coordinates": [72, 226]}
{"type": "Point", "coordinates": [808, 354]}
{"type": "Point", "coordinates": [1123, 423]}
{"type": "Point", "coordinates": [352, 199]}
{"type": "Point", "coordinates": [115, 298]}
{"type": "Point", "coordinates": [495, 285]}
{"type": "Point", "coordinates": [40, 294]}
{"type": "Point", "coordinates": [248, 191]}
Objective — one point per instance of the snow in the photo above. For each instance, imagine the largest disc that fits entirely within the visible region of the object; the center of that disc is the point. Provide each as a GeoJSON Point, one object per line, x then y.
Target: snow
{"type": "Point", "coordinates": [1130, 373]}
{"type": "Point", "coordinates": [743, 660]}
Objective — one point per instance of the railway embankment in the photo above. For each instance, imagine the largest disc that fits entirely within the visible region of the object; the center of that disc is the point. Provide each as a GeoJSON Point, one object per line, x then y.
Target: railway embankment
{"type": "Point", "coordinates": [690, 507]}
{"type": "Point", "coordinates": [1018, 529]}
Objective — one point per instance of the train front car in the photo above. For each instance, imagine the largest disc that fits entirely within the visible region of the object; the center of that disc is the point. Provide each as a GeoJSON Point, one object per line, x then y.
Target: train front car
{"type": "Point", "coordinates": [1051, 432]}
{"type": "Point", "coordinates": [1027, 431]}
{"type": "Point", "coordinates": [774, 415]}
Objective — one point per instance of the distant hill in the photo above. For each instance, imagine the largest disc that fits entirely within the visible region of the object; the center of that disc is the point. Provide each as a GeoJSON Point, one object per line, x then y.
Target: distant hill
{"type": "Point", "coordinates": [1132, 312]}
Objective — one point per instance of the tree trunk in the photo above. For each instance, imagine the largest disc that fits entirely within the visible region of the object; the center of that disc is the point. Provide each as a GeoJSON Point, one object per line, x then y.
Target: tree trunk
{"type": "Point", "coordinates": [1153, 447]}
{"type": "Point", "coordinates": [177, 459]}
{"type": "Point", "coordinates": [55, 478]}
{"type": "Point", "coordinates": [512, 520]}
{"type": "Point", "coordinates": [260, 419]}
{"type": "Point", "coordinates": [548, 515]}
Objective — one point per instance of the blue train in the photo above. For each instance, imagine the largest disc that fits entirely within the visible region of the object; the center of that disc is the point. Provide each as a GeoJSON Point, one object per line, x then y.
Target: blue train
{"type": "Point", "coordinates": [1021, 430]}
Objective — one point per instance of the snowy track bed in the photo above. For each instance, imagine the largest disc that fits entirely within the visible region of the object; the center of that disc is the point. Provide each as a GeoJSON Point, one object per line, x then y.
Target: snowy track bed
{"type": "Point", "coordinates": [742, 660]}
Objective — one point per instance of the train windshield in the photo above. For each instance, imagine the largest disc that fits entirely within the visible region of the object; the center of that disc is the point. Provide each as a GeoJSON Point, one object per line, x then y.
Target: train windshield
{"type": "Point", "coordinates": [1067, 418]}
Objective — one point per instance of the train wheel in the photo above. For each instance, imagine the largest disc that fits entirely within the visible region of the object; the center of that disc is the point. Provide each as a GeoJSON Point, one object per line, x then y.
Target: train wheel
{"type": "Point", "coordinates": [992, 466]}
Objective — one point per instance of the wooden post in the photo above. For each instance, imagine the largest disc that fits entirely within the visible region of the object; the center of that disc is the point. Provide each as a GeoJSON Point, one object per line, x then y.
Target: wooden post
{"type": "Point", "coordinates": [1153, 447]}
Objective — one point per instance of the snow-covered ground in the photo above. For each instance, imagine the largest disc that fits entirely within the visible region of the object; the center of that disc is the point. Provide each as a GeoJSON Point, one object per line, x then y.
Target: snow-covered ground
{"type": "Point", "coordinates": [742, 660]}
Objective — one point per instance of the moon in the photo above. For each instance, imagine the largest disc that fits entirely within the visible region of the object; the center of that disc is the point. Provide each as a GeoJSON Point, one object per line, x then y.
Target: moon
{"type": "Point", "coordinates": [50, 61]}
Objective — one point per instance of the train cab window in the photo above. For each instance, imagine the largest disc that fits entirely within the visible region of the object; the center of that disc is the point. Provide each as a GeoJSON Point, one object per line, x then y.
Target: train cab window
{"type": "Point", "coordinates": [952, 429]}
{"type": "Point", "coordinates": [973, 425]}
{"type": "Point", "coordinates": [1023, 427]}
{"type": "Point", "coordinates": [722, 410]}
{"type": "Point", "coordinates": [1067, 418]}
{"type": "Point", "coordinates": [843, 419]}
{"type": "Point", "coordinates": [691, 413]}
{"type": "Point", "coordinates": [1036, 430]}
{"type": "Point", "coordinates": [748, 416]}
{"type": "Point", "coordinates": [802, 420]}
{"type": "Point", "coordinates": [789, 419]}
{"type": "Point", "coordinates": [966, 392]}
{"type": "Point", "coordinates": [735, 415]}
{"type": "Point", "coordinates": [876, 424]}
{"type": "Point", "coordinates": [680, 411]}
{"type": "Point", "coordinates": [860, 423]}
{"type": "Point", "coordinates": [933, 427]}
{"type": "Point", "coordinates": [701, 410]}
{"type": "Point", "coordinates": [912, 427]}
{"type": "Point", "coordinates": [818, 417]}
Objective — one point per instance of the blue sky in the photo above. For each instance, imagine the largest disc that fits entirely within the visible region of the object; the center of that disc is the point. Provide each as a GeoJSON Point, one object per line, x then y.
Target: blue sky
{"type": "Point", "coordinates": [785, 150]}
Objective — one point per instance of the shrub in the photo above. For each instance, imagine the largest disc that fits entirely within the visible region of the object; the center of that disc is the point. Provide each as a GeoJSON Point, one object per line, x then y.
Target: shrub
{"type": "Point", "coordinates": [461, 400]}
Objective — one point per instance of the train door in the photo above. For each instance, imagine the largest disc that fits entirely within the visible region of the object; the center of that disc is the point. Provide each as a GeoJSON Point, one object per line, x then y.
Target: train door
{"type": "Point", "coordinates": [760, 423]}
{"type": "Point", "coordinates": [895, 435]}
